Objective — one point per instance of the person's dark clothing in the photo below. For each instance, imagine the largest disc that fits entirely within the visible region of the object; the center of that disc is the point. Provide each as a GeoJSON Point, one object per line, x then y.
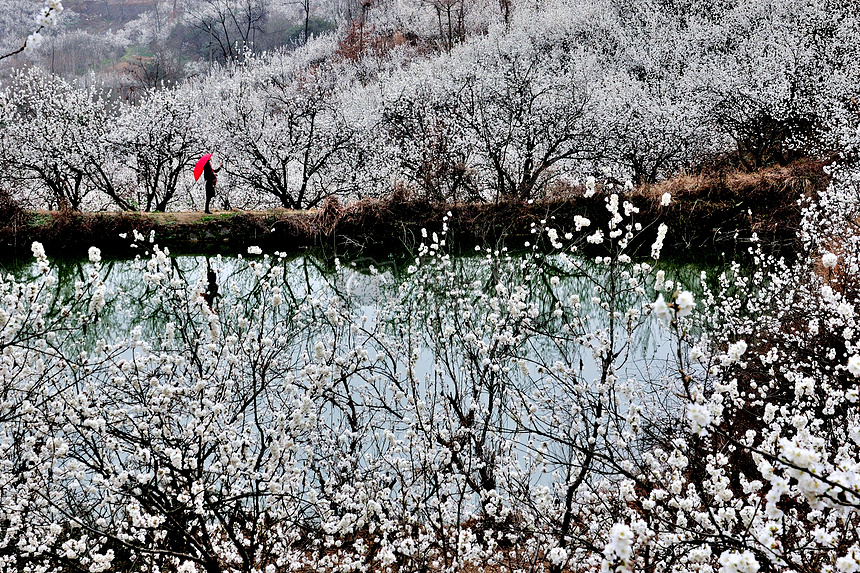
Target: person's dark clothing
{"type": "Point", "coordinates": [211, 286]}
{"type": "Point", "coordinates": [210, 178]}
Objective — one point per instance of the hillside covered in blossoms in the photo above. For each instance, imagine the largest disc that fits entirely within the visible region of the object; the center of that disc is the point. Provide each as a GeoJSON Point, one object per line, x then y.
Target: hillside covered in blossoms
{"type": "Point", "coordinates": [456, 101]}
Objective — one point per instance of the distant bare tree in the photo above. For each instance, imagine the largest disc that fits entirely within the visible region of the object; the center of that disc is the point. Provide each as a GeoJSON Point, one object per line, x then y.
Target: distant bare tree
{"type": "Point", "coordinates": [231, 25]}
{"type": "Point", "coordinates": [158, 70]}
{"type": "Point", "coordinates": [305, 6]}
{"type": "Point", "coordinates": [450, 17]}
{"type": "Point", "coordinates": [526, 117]}
{"type": "Point", "coordinates": [283, 141]}
{"type": "Point", "coordinates": [159, 139]}
{"type": "Point", "coordinates": [434, 153]}
{"type": "Point", "coordinates": [51, 138]}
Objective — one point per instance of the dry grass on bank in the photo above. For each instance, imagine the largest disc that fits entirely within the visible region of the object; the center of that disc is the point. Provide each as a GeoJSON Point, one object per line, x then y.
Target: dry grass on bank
{"type": "Point", "coordinates": [776, 183]}
{"type": "Point", "coordinates": [705, 209]}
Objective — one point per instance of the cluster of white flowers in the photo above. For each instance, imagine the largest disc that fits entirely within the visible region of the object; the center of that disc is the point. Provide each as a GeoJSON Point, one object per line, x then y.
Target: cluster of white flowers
{"type": "Point", "coordinates": [590, 186]}
{"type": "Point", "coordinates": [734, 562]}
{"type": "Point", "coordinates": [665, 199]}
{"type": "Point", "coordinates": [683, 304]}
{"type": "Point", "coordinates": [596, 238]}
{"type": "Point", "coordinates": [829, 260]}
{"type": "Point", "coordinates": [619, 548]}
{"type": "Point", "coordinates": [41, 257]}
{"type": "Point", "coordinates": [557, 556]}
{"type": "Point", "coordinates": [658, 242]}
{"type": "Point", "coordinates": [699, 416]}
{"type": "Point", "coordinates": [735, 351]}
{"type": "Point", "coordinates": [46, 18]}
{"type": "Point", "coordinates": [854, 365]}
{"type": "Point", "coordinates": [849, 563]}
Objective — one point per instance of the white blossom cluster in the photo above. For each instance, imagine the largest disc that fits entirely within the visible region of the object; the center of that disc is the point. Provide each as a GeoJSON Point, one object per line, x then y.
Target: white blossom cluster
{"type": "Point", "coordinates": [46, 18]}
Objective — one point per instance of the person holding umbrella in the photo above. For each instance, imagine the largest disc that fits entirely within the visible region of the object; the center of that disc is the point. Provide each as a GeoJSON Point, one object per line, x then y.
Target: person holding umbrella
{"type": "Point", "coordinates": [204, 166]}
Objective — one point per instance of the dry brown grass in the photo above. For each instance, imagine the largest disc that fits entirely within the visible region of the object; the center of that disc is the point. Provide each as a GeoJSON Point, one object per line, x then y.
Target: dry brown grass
{"type": "Point", "coordinates": [708, 211]}
{"type": "Point", "coordinates": [713, 184]}
{"type": "Point", "coordinates": [777, 182]}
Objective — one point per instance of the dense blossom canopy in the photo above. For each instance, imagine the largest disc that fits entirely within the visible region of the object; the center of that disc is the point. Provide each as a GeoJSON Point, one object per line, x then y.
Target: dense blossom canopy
{"type": "Point", "coordinates": [517, 103]}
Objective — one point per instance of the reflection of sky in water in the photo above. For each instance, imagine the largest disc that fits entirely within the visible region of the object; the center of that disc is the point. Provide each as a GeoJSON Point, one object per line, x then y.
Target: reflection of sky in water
{"type": "Point", "coordinates": [364, 286]}
{"type": "Point", "coordinates": [367, 290]}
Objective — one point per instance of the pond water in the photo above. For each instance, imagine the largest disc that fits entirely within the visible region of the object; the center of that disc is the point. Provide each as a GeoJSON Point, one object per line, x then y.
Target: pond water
{"type": "Point", "coordinates": [382, 295]}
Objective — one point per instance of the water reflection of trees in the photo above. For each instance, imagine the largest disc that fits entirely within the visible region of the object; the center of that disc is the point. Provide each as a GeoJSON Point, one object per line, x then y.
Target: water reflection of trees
{"type": "Point", "coordinates": [518, 360]}
{"type": "Point", "coordinates": [297, 396]}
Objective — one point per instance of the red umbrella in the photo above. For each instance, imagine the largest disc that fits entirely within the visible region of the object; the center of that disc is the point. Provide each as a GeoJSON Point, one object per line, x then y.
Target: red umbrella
{"type": "Point", "coordinates": [198, 169]}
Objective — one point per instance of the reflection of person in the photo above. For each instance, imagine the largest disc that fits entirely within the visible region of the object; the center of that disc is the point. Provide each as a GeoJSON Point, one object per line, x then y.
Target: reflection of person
{"type": "Point", "coordinates": [211, 286]}
{"type": "Point", "coordinates": [211, 179]}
